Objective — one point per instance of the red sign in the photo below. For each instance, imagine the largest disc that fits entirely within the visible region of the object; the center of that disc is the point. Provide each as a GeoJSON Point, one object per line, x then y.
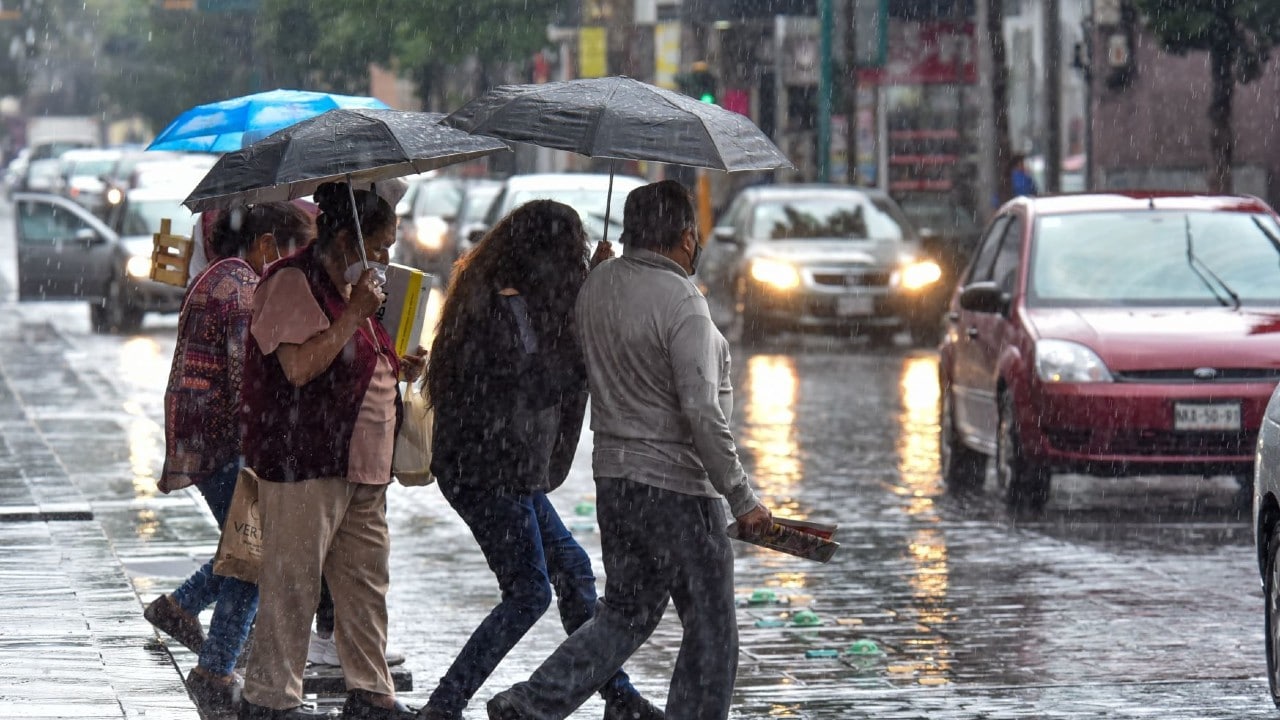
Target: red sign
{"type": "Point", "coordinates": [927, 53]}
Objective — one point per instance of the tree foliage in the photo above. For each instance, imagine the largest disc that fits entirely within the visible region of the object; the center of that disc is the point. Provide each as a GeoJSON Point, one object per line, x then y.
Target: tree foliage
{"type": "Point", "coordinates": [1239, 36]}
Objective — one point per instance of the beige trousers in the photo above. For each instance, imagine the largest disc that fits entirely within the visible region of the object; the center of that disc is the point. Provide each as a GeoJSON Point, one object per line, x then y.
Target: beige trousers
{"type": "Point", "coordinates": [337, 528]}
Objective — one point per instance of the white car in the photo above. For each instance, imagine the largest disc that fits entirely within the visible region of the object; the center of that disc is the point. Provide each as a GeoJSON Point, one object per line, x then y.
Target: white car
{"type": "Point", "coordinates": [84, 172]}
{"type": "Point", "coordinates": [584, 192]}
{"type": "Point", "coordinates": [1266, 532]}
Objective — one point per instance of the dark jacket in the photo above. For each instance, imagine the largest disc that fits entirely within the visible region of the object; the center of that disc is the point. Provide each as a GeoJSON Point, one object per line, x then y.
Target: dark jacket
{"type": "Point", "coordinates": [510, 417]}
{"type": "Point", "coordinates": [300, 433]}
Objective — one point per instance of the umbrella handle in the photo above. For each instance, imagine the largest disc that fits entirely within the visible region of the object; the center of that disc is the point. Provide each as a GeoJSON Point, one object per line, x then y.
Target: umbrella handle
{"type": "Point", "coordinates": [355, 213]}
{"type": "Point", "coordinates": [608, 200]}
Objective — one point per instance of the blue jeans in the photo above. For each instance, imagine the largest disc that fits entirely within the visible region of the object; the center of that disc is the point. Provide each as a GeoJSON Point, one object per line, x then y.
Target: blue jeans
{"type": "Point", "coordinates": [531, 553]}
{"type": "Point", "coordinates": [236, 600]}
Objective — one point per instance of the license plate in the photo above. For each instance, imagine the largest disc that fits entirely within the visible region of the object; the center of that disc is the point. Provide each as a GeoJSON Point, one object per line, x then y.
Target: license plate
{"type": "Point", "coordinates": [850, 305]}
{"type": "Point", "coordinates": [1206, 416]}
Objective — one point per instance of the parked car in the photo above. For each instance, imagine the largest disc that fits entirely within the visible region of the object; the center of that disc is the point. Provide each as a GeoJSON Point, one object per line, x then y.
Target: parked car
{"type": "Point", "coordinates": [422, 236]}
{"type": "Point", "coordinates": [584, 192]}
{"type": "Point", "coordinates": [814, 257]}
{"type": "Point", "coordinates": [43, 176]}
{"type": "Point", "coordinates": [130, 168]}
{"type": "Point", "coordinates": [84, 172]}
{"type": "Point", "coordinates": [1112, 334]}
{"type": "Point", "coordinates": [66, 252]}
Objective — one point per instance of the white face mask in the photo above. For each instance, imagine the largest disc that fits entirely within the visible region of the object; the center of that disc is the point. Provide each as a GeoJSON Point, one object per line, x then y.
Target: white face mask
{"type": "Point", "coordinates": [356, 269]}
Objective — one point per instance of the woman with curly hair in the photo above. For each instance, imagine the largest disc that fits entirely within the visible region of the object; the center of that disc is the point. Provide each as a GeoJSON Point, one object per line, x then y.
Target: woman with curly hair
{"type": "Point", "coordinates": [507, 379]}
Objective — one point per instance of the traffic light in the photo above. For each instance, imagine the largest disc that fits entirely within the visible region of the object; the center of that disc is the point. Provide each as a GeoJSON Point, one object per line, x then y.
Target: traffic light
{"type": "Point", "coordinates": [700, 84]}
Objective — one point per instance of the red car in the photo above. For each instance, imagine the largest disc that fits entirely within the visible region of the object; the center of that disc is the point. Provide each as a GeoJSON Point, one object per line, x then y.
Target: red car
{"type": "Point", "coordinates": [1112, 334]}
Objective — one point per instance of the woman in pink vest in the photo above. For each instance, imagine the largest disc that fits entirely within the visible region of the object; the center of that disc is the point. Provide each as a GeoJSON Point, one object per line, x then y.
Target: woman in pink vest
{"type": "Point", "coordinates": [320, 413]}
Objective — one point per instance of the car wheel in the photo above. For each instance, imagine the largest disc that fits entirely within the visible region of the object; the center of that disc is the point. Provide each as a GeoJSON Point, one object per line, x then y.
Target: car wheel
{"type": "Point", "coordinates": [963, 468]}
{"type": "Point", "coordinates": [115, 314]}
{"type": "Point", "coordinates": [1025, 484]}
{"type": "Point", "coordinates": [1271, 592]}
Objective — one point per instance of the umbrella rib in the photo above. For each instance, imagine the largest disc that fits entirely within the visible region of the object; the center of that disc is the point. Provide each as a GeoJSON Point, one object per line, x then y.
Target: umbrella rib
{"type": "Point", "coordinates": [595, 122]}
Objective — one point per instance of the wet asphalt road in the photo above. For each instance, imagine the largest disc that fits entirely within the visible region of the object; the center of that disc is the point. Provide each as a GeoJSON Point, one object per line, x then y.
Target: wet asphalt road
{"type": "Point", "coordinates": [1125, 598]}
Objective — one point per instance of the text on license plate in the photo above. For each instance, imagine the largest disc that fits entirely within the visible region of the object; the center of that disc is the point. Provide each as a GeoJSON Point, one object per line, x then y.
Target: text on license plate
{"type": "Point", "coordinates": [848, 305]}
{"type": "Point", "coordinates": [1206, 416]}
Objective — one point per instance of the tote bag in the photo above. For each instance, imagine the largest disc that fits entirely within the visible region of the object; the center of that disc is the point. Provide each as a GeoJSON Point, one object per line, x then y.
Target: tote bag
{"type": "Point", "coordinates": [411, 461]}
{"type": "Point", "coordinates": [240, 547]}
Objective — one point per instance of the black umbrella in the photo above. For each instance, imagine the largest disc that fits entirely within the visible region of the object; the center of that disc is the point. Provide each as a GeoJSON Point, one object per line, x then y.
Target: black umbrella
{"type": "Point", "coordinates": [349, 144]}
{"type": "Point", "coordinates": [339, 145]}
{"type": "Point", "coordinates": [624, 119]}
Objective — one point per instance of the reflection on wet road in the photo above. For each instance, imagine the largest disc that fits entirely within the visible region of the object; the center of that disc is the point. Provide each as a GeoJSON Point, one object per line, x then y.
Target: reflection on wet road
{"type": "Point", "coordinates": [1125, 595]}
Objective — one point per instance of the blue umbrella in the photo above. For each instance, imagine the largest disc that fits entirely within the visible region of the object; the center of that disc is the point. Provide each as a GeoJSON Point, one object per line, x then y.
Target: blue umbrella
{"type": "Point", "coordinates": [232, 124]}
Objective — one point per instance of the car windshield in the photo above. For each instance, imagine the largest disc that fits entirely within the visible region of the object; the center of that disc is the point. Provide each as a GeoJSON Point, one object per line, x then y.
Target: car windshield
{"type": "Point", "coordinates": [91, 168]}
{"type": "Point", "coordinates": [143, 217]}
{"type": "Point", "coordinates": [477, 203]}
{"type": "Point", "coordinates": [1154, 258]}
{"type": "Point", "coordinates": [826, 218]}
{"type": "Point", "coordinates": [437, 198]}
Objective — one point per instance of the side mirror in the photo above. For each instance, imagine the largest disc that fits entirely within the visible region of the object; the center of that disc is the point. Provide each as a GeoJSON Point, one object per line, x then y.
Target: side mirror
{"type": "Point", "coordinates": [724, 234]}
{"type": "Point", "coordinates": [88, 236]}
{"type": "Point", "coordinates": [475, 236]}
{"type": "Point", "coordinates": [984, 297]}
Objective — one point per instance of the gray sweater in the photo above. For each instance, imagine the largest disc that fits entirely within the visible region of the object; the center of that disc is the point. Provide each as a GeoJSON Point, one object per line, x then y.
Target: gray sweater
{"type": "Point", "coordinates": [661, 394]}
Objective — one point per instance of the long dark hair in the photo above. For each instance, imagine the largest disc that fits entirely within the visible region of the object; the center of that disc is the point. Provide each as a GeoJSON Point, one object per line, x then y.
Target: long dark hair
{"type": "Point", "coordinates": [540, 250]}
{"type": "Point", "coordinates": [236, 230]}
{"type": "Point", "coordinates": [335, 213]}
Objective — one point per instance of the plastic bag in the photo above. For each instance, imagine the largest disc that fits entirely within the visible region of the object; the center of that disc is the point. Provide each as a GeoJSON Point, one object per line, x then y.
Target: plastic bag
{"type": "Point", "coordinates": [411, 461]}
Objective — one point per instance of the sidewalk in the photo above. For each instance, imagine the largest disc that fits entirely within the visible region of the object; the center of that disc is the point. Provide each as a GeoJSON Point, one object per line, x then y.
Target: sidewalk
{"type": "Point", "coordinates": [73, 642]}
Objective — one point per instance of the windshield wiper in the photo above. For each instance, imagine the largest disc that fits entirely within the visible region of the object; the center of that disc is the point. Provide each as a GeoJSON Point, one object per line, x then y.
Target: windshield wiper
{"type": "Point", "coordinates": [1271, 235]}
{"type": "Point", "coordinates": [1201, 270]}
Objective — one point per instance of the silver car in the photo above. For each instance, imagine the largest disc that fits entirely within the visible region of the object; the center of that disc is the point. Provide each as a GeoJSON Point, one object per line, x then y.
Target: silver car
{"type": "Point", "coordinates": [67, 253]}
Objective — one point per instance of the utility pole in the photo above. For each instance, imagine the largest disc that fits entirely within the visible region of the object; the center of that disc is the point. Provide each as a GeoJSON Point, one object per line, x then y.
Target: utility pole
{"type": "Point", "coordinates": [1053, 97]}
{"type": "Point", "coordinates": [824, 90]}
{"type": "Point", "coordinates": [851, 92]}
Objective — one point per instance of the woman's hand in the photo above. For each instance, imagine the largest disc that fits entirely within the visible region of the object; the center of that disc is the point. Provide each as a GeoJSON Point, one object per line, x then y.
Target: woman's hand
{"type": "Point", "coordinates": [604, 251]}
{"type": "Point", "coordinates": [411, 366]}
{"type": "Point", "coordinates": [366, 295]}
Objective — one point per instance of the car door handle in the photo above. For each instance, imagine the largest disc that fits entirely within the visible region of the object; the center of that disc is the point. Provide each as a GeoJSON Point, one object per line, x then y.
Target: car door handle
{"type": "Point", "coordinates": [972, 333]}
{"type": "Point", "coordinates": [953, 316]}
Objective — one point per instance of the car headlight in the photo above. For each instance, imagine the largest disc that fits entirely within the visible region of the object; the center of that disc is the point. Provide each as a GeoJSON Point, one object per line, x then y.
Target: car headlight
{"type": "Point", "coordinates": [114, 196]}
{"type": "Point", "coordinates": [919, 274]}
{"type": "Point", "coordinates": [1063, 361]}
{"type": "Point", "coordinates": [430, 233]}
{"type": "Point", "coordinates": [139, 266]}
{"type": "Point", "coordinates": [779, 274]}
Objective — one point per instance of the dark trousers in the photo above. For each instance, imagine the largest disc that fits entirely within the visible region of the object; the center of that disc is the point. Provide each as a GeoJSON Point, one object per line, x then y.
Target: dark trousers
{"type": "Point", "coordinates": [657, 545]}
{"type": "Point", "coordinates": [532, 554]}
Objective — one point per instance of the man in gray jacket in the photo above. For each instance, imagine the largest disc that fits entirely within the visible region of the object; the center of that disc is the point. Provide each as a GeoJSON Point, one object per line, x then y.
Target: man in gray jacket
{"type": "Point", "coordinates": [664, 458]}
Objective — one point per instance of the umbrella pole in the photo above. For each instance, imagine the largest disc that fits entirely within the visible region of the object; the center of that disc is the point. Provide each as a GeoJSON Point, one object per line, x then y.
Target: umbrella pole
{"type": "Point", "coordinates": [608, 200]}
{"type": "Point", "coordinates": [355, 213]}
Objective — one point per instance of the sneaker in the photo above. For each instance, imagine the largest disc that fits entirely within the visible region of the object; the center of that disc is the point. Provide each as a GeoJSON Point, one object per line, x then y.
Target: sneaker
{"type": "Point", "coordinates": [216, 695]}
{"type": "Point", "coordinates": [169, 618]}
{"type": "Point", "coordinates": [631, 707]}
{"type": "Point", "coordinates": [324, 651]}
{"type": "Point", "coordinates": [358, 707]}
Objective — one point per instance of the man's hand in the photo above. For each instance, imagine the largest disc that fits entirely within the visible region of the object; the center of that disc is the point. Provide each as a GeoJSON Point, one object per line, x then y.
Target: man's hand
{"type": "Point", "coordinates": [755, 522]}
